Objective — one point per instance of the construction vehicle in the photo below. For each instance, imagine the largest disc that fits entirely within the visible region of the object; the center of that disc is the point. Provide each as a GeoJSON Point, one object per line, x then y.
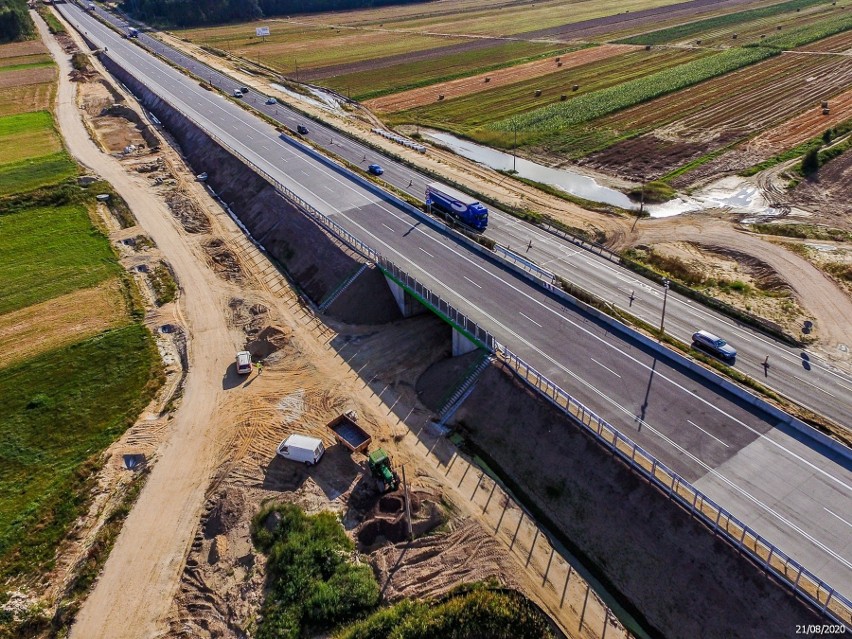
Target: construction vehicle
{"type": "Point", "coordinates": [380, 467]}
{"type": "Point", "coordinates": [348, 433]}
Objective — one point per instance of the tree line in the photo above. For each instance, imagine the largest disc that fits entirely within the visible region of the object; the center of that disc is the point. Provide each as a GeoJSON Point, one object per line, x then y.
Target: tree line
{"type": "Point", "coordinates": [186, 13]}
{"type": "Point", "coordinates": [15, 23]}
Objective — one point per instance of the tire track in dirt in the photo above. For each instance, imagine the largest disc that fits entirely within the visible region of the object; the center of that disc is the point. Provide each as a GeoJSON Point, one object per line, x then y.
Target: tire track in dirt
{"type": "Point", "coordinates": [138, 581]}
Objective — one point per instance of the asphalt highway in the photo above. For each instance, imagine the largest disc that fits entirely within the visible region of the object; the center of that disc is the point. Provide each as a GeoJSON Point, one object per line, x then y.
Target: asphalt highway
{"type": "Point", "coordinates": [793, 372]}
{"type": "Point", "coordinates": [795, 494]}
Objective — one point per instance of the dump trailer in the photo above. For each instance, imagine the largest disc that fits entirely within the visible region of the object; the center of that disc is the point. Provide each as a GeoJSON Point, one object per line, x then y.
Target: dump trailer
{"type": "Point", "coordinates": [464, 208]}
{"type": "Point", "coordinates": [350, 434]}
{"type": "Point", "coordinates": [380, 468]}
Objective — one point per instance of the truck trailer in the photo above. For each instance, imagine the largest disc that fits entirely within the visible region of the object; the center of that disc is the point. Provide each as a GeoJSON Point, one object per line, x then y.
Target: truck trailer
{"type": "Point", "coordinates": [464, 208]}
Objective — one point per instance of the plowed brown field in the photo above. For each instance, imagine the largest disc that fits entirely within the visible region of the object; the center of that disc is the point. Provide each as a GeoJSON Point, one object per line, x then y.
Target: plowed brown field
{"type": "Point", "coordinates": [807, 125]}
{"type": "Point", "coordinates": [499, 78]}
{"type": "Point", "coordinates": [723, 111]}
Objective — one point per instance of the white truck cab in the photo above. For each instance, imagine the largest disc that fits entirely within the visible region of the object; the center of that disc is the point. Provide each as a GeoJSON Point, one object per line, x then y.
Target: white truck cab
{"type": "Point", "coordinates": [301, 448]}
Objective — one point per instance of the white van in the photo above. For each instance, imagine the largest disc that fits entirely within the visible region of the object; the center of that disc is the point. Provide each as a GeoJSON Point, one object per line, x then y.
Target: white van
{"type": "Point", "coordinates": [244, 362]}
{"type": "Point", "coordinates": [302, 448]}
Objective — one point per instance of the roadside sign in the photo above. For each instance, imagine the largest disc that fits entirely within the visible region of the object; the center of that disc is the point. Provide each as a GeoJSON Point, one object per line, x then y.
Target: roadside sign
{"type": "Point", "coordinates": [261, 32]}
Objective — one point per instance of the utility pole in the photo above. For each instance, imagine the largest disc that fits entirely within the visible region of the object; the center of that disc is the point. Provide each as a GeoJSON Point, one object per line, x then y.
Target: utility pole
{"type": "Point", "coordinates": [665, 299]}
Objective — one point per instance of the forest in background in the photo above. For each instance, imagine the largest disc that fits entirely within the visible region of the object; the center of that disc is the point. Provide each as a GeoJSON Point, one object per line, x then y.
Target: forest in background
{"type": "Point", "coordinates": [187, 13]}
{"type": "Point", "coordinates": [15, 23]}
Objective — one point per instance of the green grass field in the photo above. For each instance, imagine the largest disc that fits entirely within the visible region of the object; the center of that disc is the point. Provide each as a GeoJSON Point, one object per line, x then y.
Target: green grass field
{"type": "Point", "coordinates": [14, 63]}
{"type": "Point", "coordinates": [45, 252]}
{"type": "Point", "coordinates": [27, 175]}
{"type": "Point", "coordinates": [58, 412]}
{"type": "Point", "coordinates": [27, 135]}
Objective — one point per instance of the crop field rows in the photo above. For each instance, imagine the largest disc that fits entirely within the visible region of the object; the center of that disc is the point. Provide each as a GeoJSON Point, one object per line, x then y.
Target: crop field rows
{"type": "Point", "coordinates": [748, 24]}
{"type": "Point", "coordinates": [495, 105]}
{"type": "Point", "coordinates": [501, 78]}
{"type": "Point", "coordinates": [75, 365]}
{"type": "Point", "coordinates": [720, 112]}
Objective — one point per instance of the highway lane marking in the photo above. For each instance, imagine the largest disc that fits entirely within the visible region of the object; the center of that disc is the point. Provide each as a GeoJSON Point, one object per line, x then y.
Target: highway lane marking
{"type": "Point", "coordinates": [527, 316]}
{"type": "Point", "coordinates": [471, 281]}
{"type": "Point", "coordinates": [792, 455]}
{"type": "Point", "coordinates": [388, 228]}
{"type": "Point", "coordinates": [622, 276]}
{"type": "Point", "coordinates": [425, 251]}
{"type": "Point", "coordinates": [737, 488]}
{"type": "Point", "coordinates": [819, 388]}
{"type": "Point", "coordinates": [838, 516]}
{"type": "Point", "coordinates": [397, 214]}
{"type": "Point", "coordinates": [849, 388]}
{"type": "Point", "coordinates": [606, 367]}
{"type": "Point", "coordinates": [707, 433]}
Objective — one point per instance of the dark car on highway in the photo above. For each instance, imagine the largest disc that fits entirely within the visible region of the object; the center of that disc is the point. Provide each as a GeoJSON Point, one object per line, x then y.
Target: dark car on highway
{"type": "Point", "coordinates": [302, 129]}
{"type": "Point", "coordinates": [375, 169]}
{"type": "Point", "coordinates": [714, 345]}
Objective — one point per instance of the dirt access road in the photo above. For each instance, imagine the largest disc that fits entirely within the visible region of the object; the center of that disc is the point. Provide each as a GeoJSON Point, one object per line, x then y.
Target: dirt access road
{"type": "Point", "coordinates": [133, 591]}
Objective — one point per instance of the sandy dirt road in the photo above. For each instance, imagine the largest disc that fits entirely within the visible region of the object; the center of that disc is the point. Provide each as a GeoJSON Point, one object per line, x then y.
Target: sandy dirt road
{"type": "Point", "coordinates": [133, 592]}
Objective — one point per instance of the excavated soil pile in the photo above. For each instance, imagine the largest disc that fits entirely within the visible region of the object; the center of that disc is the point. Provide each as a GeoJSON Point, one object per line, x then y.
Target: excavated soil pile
{"type": "Point", "coordinates": [663, 561]}
{"type": "Point", "coordinates": [386, 522]}
{"type": "Point", "coordinates": [270, 340]}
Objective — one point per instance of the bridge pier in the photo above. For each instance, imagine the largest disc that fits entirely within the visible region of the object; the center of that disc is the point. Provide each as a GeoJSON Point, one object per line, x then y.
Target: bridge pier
{"type": "Point", "coordinates": [408, 305]}
{"type": "Point", "coordinates": [461, 344]}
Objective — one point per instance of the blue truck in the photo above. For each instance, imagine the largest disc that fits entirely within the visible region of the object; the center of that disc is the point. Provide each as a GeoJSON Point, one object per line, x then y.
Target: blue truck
{"type": "Point", "coordinates": [466, 209]}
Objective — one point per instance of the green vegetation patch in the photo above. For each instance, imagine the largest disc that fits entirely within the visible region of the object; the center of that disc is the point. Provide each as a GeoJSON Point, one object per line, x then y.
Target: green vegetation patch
{"type": "Point", "coordinates": [15, 22]}
{"type": "Point", "coordinates": [27, 136]}
{"type": "Point", "coordinates": [312, 582]}
{"type": "Point", "coordinates": [59, 411]}
{"type": "Point", "coordinates": [24, 62]}
{"type": "Point", "coordinates": [53, 23]}
{"type": "Point", "coordinates": [555, 117]}
{"type": "Point", "coordinates": [26, 175]}
{"type": "Point", "coordinates": [45, 252]}
{"type": "Point", "coordinates": [684, 31]}
{"type": "Point", "coordinates": [471, 613]}
{"type": "Point", "coordinates": [163, 283]}
{"type": "Point", "coordinates": [803, 231]}
{"type": "Point", "coordinates": [465, 113]}
{"type": "Point", "coordinates": [799, 37]}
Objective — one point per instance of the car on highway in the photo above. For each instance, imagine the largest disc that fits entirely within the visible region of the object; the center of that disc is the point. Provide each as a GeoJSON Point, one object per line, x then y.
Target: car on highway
{"type": "Point", "coordinates": [271, 101]}
{"type": "Point", "coordinates": [238, 93]}
{"type": "Point", "coordinates": [375, 169]}
{"type": "Point", "coordinates": [715, 345]}
{"type": "Point", "coordinates": [244, 89]}
{"type": "Point", "coordinates": [302, 129]}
